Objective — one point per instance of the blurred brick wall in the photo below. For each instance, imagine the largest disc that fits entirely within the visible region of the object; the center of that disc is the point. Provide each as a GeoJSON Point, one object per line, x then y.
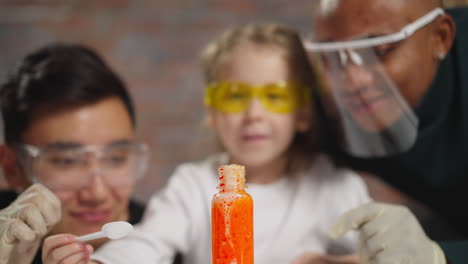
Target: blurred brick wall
{"type": "Point", "coordinates": [154, 46]}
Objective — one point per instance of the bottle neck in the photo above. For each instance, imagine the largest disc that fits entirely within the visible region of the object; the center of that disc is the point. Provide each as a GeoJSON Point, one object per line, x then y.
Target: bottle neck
{"type": "Point", "coordinates": [231, 178]}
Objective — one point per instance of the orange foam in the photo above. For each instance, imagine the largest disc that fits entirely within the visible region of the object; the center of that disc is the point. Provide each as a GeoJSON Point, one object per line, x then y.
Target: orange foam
{"type": "Point", "coordinates": [232, 227]}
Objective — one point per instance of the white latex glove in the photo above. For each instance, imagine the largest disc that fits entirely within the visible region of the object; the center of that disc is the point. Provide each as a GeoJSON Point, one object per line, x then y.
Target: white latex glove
{"type": "Point", "coordinates": [389, 234]}
{"type": "Point", "coordinates": [24, 223]}
{"type": "Point", "coordinates": [313, 258]}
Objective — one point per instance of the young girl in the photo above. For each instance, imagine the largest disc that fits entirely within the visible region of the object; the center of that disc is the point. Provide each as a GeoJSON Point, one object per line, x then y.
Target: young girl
{"type": "Point", "coordinates": [257, 78]}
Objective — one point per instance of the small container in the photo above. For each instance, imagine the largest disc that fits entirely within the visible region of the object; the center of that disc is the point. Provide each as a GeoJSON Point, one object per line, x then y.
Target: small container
{"type": "Point", "coordinates": [232, 219]}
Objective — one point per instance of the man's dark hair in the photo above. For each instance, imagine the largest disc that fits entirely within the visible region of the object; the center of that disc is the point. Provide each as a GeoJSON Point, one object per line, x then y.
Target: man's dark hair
{"type": "Point", "coordinates": [57, 74]}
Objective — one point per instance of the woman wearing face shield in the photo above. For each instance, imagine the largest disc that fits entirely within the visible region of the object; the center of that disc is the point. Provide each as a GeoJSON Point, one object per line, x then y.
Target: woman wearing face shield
{"type": "Point", "coordinates": [395, 102]}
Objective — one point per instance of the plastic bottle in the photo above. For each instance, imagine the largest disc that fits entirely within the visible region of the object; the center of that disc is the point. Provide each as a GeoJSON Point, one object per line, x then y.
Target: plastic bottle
{"type": "Point", "coordinates": [232, 218]}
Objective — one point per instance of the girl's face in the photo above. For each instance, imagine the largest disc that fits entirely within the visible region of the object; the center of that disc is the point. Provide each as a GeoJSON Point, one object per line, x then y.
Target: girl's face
{"type": "Point", "coordinates": [257, 137]}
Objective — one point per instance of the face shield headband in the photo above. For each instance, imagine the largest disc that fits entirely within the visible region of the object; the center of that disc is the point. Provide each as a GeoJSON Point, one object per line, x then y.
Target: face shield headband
{"type": "Point", "coordinates": [371, 115]}
{"type": "Point", "coordinates": [404, 33]}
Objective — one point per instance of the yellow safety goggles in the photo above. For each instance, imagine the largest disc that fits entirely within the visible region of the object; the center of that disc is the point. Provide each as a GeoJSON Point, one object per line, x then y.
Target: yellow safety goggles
{"type": "Point", "coordinates": [231, 97]}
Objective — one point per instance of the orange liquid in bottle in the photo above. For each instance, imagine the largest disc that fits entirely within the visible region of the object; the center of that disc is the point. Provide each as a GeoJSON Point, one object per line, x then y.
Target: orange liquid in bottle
{"type": "Point", "coordinates": [232, 219]}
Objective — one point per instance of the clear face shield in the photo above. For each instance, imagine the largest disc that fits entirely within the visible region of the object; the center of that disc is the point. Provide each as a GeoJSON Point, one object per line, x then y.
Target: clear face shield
{"type": "Point", "coordinates": [373, 118]}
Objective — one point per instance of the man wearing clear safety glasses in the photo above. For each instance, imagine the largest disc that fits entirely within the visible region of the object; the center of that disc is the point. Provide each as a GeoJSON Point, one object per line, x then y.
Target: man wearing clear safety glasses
{"type": "Point", "coordinates": [69, 126]}
{"type": "Point", "coordinates": [67, 167]}
{"type": "Point", "coordinates": [394, 104]}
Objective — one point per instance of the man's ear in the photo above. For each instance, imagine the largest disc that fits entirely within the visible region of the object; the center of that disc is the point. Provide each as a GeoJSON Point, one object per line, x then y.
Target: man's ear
{"type": "Point", "coordinates": [11, 171]}
{"type": "Point", "coordinates": [444, 35]}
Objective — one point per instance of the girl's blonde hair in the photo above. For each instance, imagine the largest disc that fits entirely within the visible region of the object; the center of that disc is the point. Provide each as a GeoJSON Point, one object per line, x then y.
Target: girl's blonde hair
{"type": "Point", "coordinates": [217, 54]}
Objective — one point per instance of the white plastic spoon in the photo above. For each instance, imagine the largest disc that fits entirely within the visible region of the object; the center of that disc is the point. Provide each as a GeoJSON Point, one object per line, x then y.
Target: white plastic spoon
{"type": "Point", "coordinates": [112, 230]}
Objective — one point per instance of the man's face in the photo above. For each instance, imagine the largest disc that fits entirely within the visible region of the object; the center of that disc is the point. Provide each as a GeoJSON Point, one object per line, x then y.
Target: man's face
{"type": "Point", "coordinates": [409, 64]}
{"type": "Point", "coordinates": [87, 208]}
